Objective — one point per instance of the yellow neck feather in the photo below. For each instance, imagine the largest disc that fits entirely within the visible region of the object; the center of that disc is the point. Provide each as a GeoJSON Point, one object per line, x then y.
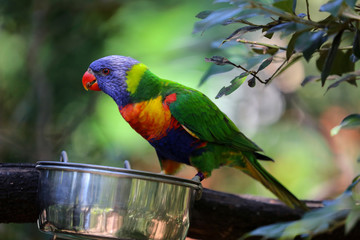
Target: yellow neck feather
{"type": "Point", "coordinates": [134, 76]}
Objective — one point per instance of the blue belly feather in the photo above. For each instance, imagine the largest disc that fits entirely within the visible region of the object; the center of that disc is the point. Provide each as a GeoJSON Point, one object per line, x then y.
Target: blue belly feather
{"type": "Point", "coordinates": [177, 145]}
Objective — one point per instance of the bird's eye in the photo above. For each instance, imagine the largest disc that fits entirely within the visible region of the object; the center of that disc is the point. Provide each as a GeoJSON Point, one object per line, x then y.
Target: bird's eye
{"type": "Point", "coordinates": [106, 71]}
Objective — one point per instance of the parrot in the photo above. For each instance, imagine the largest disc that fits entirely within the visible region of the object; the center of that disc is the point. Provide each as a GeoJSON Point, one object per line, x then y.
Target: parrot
{"type": "Point", "coordinates": [182, 124]}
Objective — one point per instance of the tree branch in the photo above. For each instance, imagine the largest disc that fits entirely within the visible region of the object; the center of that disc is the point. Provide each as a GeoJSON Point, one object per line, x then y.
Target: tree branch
{"type": "Point", "coordinates": [18, 193]}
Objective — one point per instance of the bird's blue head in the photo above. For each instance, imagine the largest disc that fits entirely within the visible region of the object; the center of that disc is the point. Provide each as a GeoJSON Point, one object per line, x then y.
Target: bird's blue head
{"type": "Point", "coordinates": [108, 74]}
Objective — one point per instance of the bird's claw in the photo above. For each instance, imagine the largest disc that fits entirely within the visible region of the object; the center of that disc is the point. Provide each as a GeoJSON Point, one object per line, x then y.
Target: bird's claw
{"type": "Point", "coordinates": [196, 178]}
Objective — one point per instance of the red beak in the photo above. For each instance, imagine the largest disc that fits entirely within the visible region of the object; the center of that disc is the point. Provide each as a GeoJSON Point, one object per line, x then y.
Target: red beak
{"type": "Point", "coordinates": [89, 81]}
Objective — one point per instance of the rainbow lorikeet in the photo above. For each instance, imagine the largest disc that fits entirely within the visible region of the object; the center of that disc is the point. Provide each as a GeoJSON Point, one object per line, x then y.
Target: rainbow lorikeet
{"type": "Point", "coordinates": [182, 124]}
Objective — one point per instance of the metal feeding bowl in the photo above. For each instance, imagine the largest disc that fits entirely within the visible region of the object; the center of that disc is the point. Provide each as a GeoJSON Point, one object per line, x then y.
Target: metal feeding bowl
{"type": "Point", "coordinates": [83, 201]}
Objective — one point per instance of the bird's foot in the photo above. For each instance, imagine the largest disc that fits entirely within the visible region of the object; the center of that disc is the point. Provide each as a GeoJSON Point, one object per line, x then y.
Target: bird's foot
{"type": "Point", "coordinates": [198, 177]}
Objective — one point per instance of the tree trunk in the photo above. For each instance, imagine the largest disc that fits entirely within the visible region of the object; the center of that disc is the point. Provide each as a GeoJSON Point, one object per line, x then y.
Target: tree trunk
{"type": "Point", "coordinates": [216, 215]}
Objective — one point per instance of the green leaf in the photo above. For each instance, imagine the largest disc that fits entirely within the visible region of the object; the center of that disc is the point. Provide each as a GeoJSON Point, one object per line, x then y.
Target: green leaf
{"type": "Point", "coordinates": [309, 42]}
{"type": "Point", "coordinates": [356, 44]}
{"type": "Point", "coordinates": [271, 10]}
{"type": "Point", "coordinates": [330, 57]}
{"type": "Point", "coordinates": [351, 3]}
{"type": "Point", "coordinates": [321, 60]}
{"type": "Point", "coordinates": [352, 219]}
{"type": "Point", "coordinates": [264, 64]}
{"type": "Point", "coordinates": [269, 35]}
{"type": "Point", "coordinates": [285, 5]}
{"type": "Point", "coordinates": [214, 69]}
{"type": "Point", "coordinates": [245, 14]}
{"type": "Point", "coordinates": [235, 84]}
{"type": "Point", "coordinates": [241, 31]}
{"type": "Point", "coordinates": [287, 28]}
{"type": "Point", "coordinates": [333, 7]}
{"type": "Point", "coordinates": [294, 5]}
{"type": "Point", "coordinates": [218, 60]}
{"type": "Point", "coordinates": [310, 79]}
{"type": "Point", "coordinates": [291, 45]}
{"type": "Point", "coordinates": [204, 14]}
{"type": "Point", "coordinates": [216, 17]}
{"type": "Point", "coordinates": [352, 81]}
{"type": "Point", "coordinates": [342, 62]}
{"type": "Point", "coordinates": [252, 82]}
{"type": "Point", "coordinates": [346, 78]}
{"type": "Point", "coordinates": [351, 121]}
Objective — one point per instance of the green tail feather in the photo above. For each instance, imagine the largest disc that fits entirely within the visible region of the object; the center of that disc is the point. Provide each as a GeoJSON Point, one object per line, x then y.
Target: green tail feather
{"type": "Point", "coordinates": [255, 170]}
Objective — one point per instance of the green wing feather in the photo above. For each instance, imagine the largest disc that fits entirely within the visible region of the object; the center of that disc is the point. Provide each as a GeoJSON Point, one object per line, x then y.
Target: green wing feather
{"type": "Point", "coordinates": [202, 117]}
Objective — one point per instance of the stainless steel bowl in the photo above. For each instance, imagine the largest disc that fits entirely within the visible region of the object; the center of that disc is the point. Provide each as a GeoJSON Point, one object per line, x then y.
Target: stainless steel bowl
{"type": "Point", "coordinates": [82, 201]}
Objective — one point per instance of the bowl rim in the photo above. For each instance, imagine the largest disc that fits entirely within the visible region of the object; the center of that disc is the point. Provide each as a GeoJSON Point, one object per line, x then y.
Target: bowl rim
{"type": "Point", "coordinates": [116, 172]}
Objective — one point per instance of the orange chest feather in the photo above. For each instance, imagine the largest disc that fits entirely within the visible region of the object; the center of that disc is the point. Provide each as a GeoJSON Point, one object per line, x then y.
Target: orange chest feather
{"type": "Point", "coordinates": [151, 119]}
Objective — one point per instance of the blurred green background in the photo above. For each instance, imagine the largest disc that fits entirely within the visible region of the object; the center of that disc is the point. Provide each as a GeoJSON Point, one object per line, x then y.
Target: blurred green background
{"type": "Point", "coordinates": [46, 46]}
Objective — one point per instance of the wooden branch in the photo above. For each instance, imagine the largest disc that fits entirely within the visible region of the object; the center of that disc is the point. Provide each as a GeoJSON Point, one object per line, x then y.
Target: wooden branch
{"type": "Point", "coordinates": [220, 215]}
{"type": "Point", "coordinates": [18, 192]}
{"type": "Point", "coordinates": [216, 215]}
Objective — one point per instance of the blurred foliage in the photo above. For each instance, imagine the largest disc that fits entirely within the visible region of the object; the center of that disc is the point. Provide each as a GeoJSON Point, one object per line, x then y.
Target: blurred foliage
{"type": "Point", "coordinates": [46, 46]}
{"type": "Point", "coordinates": [333, 40]}
{"type": "Point", "coordinates": [343, 211]}
{"type": "Point", "coordinates": [351, 121]}
{"type": "Point", "coordinates": [334, 43]}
